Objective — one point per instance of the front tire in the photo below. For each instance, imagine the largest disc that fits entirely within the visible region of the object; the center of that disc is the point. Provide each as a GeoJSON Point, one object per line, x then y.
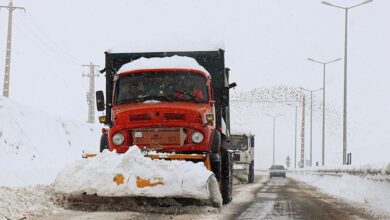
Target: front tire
{"type": "Point", "coordinates": [103, 142]}
{"type": "Point", "coordinates": [251, 176]}
{"type": "Point", "coordinates": [226, 176]}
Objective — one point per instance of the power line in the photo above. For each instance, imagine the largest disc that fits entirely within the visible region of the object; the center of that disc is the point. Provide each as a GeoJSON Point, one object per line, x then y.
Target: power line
{"type": "Point", "coordinates": [54, 43]}
{"type": "Point", "coordinates": [51, 49]}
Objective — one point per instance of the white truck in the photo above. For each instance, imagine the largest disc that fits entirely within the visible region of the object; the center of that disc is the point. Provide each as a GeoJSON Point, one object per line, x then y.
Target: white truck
{"type": "Point", "coordinates": [243, 147]}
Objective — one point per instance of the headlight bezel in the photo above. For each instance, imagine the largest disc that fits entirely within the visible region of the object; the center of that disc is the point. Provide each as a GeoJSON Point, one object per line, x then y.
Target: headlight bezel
{"type": "Point", "coordinates": [197, 137]}
{"type": "Point", "coordinates": [120, 141]}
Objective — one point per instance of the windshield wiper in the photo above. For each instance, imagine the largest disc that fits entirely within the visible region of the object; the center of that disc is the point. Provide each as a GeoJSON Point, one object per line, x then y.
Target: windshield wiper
{"type": "Point", "coordinates": [188, 94]}
{"type": "Point", "coordinates": [156, 97]}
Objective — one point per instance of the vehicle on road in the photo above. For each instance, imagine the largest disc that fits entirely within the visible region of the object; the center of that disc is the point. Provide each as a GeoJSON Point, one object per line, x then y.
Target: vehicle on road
{"type": "Point", "coordinates": [243, 147]}
{"type": "Point", "coordinates": [172, 106]}
{"type": "Point", "coordinates": [277, 171]}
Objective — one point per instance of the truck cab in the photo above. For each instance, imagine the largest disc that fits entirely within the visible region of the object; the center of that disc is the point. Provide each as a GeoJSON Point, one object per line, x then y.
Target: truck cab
{"type": "Point", "coordinates": [167, 110]}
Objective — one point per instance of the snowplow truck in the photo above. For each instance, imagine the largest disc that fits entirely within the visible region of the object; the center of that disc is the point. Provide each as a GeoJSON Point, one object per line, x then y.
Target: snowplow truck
{"type": "Point", "coordinates": [175, 104]}
{"type": "Point", "coordinates": [243, 147]}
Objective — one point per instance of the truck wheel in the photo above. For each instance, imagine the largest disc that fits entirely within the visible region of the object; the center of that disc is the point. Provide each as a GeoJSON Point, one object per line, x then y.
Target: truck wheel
{"type": "Point", "coordinates": [103, 142]}
{"type": "Point", "coordinates": [227, 176]}
{"type": "Point", "coordinates": [251, 176]}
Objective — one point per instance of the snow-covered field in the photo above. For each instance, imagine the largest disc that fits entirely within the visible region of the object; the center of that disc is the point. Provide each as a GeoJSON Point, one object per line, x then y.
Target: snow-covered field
{"type": "Point", "coordinates": [368, 185]}
{"type": "Point", "coordinates": [34, 145]}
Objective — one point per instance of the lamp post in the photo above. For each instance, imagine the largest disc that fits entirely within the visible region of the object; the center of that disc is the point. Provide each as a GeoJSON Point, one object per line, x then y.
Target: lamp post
{"type": "Point", "coordinates": [295, 133]}
{"type": "Point", "coordinates": [323, 105]}
{"type": "Point", "coordinates": [345, 72]}
{"type": "Point", "coordinates": [273, 137]}
{"type": "Point", "coordinates": [311, 121]}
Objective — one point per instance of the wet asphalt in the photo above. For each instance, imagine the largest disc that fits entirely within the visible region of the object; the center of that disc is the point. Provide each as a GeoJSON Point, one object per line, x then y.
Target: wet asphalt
{"type": "Point", "coordinates": [285, 198]}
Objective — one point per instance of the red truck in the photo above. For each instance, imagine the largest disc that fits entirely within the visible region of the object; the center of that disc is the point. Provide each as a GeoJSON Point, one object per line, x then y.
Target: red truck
{"type": "Point", "coordinates": [172, 102]}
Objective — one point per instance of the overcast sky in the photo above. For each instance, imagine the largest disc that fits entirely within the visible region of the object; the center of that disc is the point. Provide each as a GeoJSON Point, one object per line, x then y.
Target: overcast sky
{"type": "Point", "coordinates": [267, 43]}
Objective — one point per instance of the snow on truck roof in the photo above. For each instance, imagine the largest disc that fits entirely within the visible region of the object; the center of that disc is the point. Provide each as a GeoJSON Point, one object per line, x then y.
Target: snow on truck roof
{"type": "Point", "coordinates": [174, 62]}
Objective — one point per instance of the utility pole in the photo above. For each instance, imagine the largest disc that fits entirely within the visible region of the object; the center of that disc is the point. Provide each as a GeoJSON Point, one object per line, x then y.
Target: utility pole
{"type": "Point", "coordinates": [7, 70]}
{"type": "Point", "coordinates": [311, 122]}
{"type": "Point", "coordinates": [302, 162]}
{"type": "Point", "coordinates": [91, 92]}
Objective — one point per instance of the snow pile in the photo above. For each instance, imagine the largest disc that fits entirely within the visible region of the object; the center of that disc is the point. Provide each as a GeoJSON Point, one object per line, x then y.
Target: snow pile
{"type": "Point", "coordinates": [362, 189]}
{"type": "Point", "coordinates": [34, 145]}
{"type": "Point", "coordinates": [178, 62]}
{"type": "Point", "coordinates": [178, 178]}
{"type": "Point", "coordinates": [36, 201]}
{"type": "Point", "coordinates": [373, 171]}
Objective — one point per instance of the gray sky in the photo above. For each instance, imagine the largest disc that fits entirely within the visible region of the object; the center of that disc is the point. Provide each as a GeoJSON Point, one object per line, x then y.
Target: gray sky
{"type": "Point", "coordinates": [267, 43]}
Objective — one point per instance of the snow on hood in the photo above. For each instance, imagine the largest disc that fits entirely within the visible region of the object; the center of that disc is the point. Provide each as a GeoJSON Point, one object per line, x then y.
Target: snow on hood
{"type": "Point", "coordinates": [95, 175]}
{"type": "Point", "coordinates": [177, 62]}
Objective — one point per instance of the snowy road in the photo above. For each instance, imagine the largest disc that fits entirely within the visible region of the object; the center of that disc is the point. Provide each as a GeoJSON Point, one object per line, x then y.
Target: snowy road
{"type": "Point", "coordinates": [275, 198]}
{"type": "Point", "coordinates": [286, 198]}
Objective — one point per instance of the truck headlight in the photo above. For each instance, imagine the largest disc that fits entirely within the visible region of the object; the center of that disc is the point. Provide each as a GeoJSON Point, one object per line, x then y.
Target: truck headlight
{"type": "Point", "coordinates": [197, 137]}
{"type": "Point", "coordinates": [118, 139]}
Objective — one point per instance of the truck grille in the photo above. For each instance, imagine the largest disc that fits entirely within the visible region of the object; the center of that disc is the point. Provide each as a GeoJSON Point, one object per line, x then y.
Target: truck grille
{"type": "Point", "coordinates": [158, 136]}
{"type": "Point", "coordinates": [141, 117]}
{"type": "Point", "coordinates": [174, 116]}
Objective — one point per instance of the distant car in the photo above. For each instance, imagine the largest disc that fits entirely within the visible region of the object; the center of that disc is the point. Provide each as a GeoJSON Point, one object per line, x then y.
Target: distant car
{"type": "Point", "coordinates": [277, 170]}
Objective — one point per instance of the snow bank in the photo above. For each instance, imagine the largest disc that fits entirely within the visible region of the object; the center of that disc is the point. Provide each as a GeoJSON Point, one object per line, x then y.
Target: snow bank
{"type": "Point", "coordinates": [33, 201]}
{"type": "Point", "coordinates": [95, 176]}
{"type": "Point", "coordinates": [34, 145]}
{"type": "Point", "coordinates": [179, 62]}
{"type": "Point", "coordinates": [354, 188]}
{"type": "Point", "coordinates": [374, 170]}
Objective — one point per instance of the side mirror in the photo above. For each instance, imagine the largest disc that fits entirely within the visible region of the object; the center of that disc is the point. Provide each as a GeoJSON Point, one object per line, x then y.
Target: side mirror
{"type": "Point", "coordinates": [232, 85]}
{"type": "Point", "coordinates": [100, 101]}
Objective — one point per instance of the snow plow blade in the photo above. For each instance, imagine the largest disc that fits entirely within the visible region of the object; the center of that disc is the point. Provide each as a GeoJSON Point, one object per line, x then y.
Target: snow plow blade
{"type": "Point", "coordinates": [134, 174]}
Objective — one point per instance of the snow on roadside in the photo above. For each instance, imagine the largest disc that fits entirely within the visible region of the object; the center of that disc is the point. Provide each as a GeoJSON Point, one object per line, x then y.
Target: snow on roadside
{"type": "Point", "coordinates": [34, 145]}
{"type": "Point", "coordinates": [361, 189]}
{"type": "Point", "coordinates": [32, 201]}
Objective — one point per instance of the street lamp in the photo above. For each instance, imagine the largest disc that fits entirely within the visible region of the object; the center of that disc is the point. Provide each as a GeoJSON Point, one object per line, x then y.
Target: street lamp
{"type": "Point", "coordinates": [295, 137]}
{"type": "Point", "coordinates": [323, 106]}
{"type": "Point", "coordinates": [345, 73]}
{"type": "Point", "coordinates": [311, 121]}
{"type": "Point", "coordinates": [273, 135]}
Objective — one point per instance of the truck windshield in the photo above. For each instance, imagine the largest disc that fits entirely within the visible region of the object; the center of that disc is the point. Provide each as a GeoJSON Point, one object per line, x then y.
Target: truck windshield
{"type": "Point", "coordinates": [161, 86]}
{"type": "Point", "coordinates": [239, 143]}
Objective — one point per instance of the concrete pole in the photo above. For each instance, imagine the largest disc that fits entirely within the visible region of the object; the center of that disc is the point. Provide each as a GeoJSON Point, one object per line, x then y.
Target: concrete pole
{"type": "Point", "coordinates": [7, 70]}
{"type": "Point", "coordinates": [311, 128]}
{"type": "Point", "coordinates": [91, 92]}
{"type": "Point", "coordinates": [91, 110]}
{"type": "Point", "coordinates": [345, 91]}
{"type": "Point", "coordinates": [323, 117]}
{"type": "Point", "coordinates": [273, 148]}
{"type": "Point", "coordinates": [296, 128]}
{"type": "Point", "coordinates": [303, 134]}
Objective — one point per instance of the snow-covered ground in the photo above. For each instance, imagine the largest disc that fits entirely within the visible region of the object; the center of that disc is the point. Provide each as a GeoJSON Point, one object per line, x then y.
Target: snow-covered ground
{"type": "Point", "coordinates": [368, 185]}
{"type": "Point", "coordinates": [35, 145]}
